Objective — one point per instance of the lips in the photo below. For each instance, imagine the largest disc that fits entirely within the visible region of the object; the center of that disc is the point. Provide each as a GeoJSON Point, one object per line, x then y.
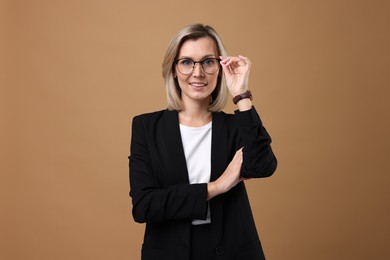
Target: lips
{"type": "Point", "coordinates": [198, 84]}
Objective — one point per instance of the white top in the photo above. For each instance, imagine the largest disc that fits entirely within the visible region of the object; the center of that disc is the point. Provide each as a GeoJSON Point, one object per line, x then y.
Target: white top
{"type": "Point", "coordinates": [197, 150]}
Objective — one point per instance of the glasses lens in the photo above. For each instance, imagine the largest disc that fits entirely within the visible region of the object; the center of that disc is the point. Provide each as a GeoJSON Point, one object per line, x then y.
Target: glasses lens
{"type": "Point", "coordinates": [210, 65]}
{"type": "Point", "coordinates": [185, 66]}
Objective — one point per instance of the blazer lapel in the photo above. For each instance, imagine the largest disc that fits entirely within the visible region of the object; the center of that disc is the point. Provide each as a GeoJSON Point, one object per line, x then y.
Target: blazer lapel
{"type": "Point", "coordinates": [176, 162]}
{"type": "Point", "coordinates": [219, 162]}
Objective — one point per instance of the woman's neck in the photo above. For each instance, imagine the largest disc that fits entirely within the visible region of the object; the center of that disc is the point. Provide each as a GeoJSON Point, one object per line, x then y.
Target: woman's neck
{"type": "Point", "coordinates": [195, 115]}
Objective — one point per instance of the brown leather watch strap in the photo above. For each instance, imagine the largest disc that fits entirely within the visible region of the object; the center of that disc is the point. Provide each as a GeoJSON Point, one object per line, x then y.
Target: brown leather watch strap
{"type": "Point", "coordinates": [244, 95]}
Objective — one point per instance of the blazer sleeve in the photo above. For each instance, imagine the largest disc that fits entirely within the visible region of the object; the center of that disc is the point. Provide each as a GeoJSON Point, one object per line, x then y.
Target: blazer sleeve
{"type": "Point", "coordinates": [259, 159]}
{"type": "Point", "coordinates": [151, 202]}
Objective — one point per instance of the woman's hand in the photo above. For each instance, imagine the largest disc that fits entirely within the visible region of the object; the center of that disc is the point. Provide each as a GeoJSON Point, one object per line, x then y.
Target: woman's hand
{"type": "Point", "coordinates": [230, 177]}
{"type": "Point", "coordinates": [236, 71]}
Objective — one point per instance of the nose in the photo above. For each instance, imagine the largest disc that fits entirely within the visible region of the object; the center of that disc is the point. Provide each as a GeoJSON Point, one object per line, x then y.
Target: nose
{"type": "Point", "coordinates": [198, 70]}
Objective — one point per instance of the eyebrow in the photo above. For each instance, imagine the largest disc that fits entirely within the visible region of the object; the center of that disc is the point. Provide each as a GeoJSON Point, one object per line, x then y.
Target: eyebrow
{"type": "Point", "coordinates": [204, 57]}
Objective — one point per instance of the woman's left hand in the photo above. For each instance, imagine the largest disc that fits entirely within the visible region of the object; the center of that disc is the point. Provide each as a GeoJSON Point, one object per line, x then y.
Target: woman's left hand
{"type": "Point", "coordinates": [236, 71]}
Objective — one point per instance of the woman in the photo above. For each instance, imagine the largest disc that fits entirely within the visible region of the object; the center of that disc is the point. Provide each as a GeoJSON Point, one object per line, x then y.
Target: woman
{"type": "Point", "coordinates": [188, 162]}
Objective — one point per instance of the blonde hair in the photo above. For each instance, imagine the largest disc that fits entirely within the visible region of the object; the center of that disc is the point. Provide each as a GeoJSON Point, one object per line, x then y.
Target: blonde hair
{"type": "Point", "coordinates": [192, 32]}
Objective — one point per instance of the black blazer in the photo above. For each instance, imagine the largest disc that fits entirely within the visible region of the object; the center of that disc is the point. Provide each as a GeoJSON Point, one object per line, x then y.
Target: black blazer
{"type": "Point", "coordinates": [163, 198]}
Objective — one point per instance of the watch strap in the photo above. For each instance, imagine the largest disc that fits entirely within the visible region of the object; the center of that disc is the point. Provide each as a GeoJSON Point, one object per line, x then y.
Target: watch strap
{"type": "Point", "coordinates": [246, 94]}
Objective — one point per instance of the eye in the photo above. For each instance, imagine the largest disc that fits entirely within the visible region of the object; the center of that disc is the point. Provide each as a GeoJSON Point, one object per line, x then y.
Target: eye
{"type": "Point", "coordinates": [186, 62]}
{"type": "Point", "coordinates": [209, 62]}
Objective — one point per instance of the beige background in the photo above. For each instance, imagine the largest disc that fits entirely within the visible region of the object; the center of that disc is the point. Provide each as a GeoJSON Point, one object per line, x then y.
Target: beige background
{"type": "Point", "coordinates": [74, 73]}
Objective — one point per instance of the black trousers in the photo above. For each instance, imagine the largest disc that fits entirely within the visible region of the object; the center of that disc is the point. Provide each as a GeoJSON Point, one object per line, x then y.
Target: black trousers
{"type": "Point", "coordinates": [201, 242]}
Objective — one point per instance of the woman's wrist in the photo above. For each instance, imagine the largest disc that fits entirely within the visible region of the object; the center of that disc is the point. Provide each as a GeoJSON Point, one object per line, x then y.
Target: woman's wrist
{"type": "Point", "coordinates": [212, 190]}
{"type": "Point", "coordinates": [242, 95]}
{"type": "Point", "coordinates": [243, 100]}
{"type": "Point", "coordinates": [244, 104]}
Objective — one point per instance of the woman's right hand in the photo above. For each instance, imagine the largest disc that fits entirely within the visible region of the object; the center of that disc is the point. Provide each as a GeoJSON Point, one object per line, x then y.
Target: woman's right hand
{"type": "Point", "coordinates": [230, 177]}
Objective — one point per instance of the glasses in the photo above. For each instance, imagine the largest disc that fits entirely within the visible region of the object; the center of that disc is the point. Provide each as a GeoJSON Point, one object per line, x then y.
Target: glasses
{"type": "Point", "coordinates": [186, 65]}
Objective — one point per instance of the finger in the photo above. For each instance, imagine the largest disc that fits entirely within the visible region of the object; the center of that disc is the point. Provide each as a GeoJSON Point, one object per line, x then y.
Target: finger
{"type": "Point", "coordinates": [227, 70]}
{"type": "Point", "coordinates": [242, 57]}
{"type": "Point", "coordinates": [242, 61]}
{"type": "Point", "coordinates": [239, 151]}
{"type": "Point", "coordinates": [245, 60]}
{"type": "Point", "coordinates": [238, 158]}
{"type": "Point", "coordinates": [237, 161]}
{"type": "Point", "coordinates": [228, 60]}
{"type": "Point", "coordinates": [240, 154]}
{"type": "Point", "coordinates": [232, 62]}
{"type": "Point", "coordinates": [224, 60]}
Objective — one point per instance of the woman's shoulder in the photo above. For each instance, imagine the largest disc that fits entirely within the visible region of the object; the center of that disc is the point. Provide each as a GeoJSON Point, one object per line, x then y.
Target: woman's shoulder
{"type": "Point", "coordinates": [150, 114]}
{"type": "Point", "coordinates": [153, 116]}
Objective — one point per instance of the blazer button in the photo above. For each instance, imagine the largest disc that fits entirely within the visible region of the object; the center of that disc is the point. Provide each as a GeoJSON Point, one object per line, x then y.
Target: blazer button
{"type": "Point", "coordinates": [219, 250]}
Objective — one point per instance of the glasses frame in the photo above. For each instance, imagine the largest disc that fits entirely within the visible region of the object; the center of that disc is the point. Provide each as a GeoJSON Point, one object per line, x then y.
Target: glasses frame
{"type": "Point", "coordinates": [201, 64]}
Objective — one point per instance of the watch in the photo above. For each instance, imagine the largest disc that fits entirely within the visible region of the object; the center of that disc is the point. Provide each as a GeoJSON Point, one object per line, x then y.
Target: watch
{"type": "Point", "coordinates": [244, 95]}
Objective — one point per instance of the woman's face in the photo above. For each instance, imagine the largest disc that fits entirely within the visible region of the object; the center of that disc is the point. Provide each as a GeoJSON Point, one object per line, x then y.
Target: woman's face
{"type": "Point", "coordinates": [197, 86]}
